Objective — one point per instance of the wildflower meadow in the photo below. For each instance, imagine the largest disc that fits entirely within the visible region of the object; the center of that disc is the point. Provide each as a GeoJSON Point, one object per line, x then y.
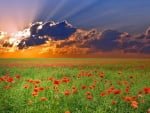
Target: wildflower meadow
{"type": "Point", "coordinates": [74, 85]}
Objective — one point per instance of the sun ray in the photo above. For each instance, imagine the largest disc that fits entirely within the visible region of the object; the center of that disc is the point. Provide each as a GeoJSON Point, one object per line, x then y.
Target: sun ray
{"type": "Point", "coordinates": [56, 9]}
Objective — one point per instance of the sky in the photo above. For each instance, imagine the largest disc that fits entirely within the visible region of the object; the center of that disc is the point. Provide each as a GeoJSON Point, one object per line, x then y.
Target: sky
{"type": "Point", "coordinates": [94, 28]}
{"type": "Point", "coordinates": [124, 15]}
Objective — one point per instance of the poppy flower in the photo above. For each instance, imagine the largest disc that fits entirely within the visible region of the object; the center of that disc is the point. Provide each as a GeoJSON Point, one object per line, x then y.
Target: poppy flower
{"type": "Point", "coordinates": [147, 90]}
{"type": "Point", "coordinates": [119, 72]}
{"type": "Point", "coordinates": [102, 94]}
{"type": "Point", "coordinates": [41, 89]}
{"type": "Point", "coordinates": [140, 96]}
{"type": "Point", "coordinates": [26, 86]}
{"type": "Point", "coordinates": [1, 79]}
{"type": "Point", "coordinates": [108, 91]}
{"type": "Point", "coordinates": [91, 87]}
{"type": "Point", "coordinates": [36, 89]}
{"type": "Point", "coordinates": [43, 98]}
{"type": "Point", "coordinates": [148, 111]}
{"type": "Point", "coordinates": [134, 98]}
{"type": "Point", "coordinates": [134, 104]}
{"type": "Point", "coordinates": [89, 97]}
{"type": "Point", "coordinates": [50, 79]}
{"type": "Point", "coordinates": [116, 92]}
{"type": "Point", "coordinates": [67, 93]}
{"type": "Point", "coordinates": [114, 102]}
{"type": "Point", "coordinates": [140, 92]}
{"type": "Point", "coordinates": [131, 76]}
{"type": "Point", "coordinates": [126, 82]}
{"type": "Point", "coordinates": [65, 80]}
{"type": "Point", "coordinates": [126, 98]}
{"type": "Point", "coordinates": [56, 87]}
{"type": "Point", "coordinates": [102, 75]}
{"type": "Point", "coordinates": [127, 91]}
{"type": "Point", "coordinates": [119, 82]}
{"type": "Point", "coordinates": [74, 91]}
{"type": "Point", "coordinates": [88, 93]}
{"type": "Point", "coordinates": [56, 82]}
{"type": "Point", "coordinates": [67, 112]}
{"type": "Point", "coordinates": [37, 81]}
{"type": "Point", "coordinates": [35, 94]}
{"type": "Point", "coordinates": [112, 88]}
{"type": "Point", "coordinates": [83, 87]}
{"type": "Point", "coordinates": [18, 77]}
{"type": "Point", "coordinates": [10, 80]}
{"type": "Point", "coordinates": [73, 87]}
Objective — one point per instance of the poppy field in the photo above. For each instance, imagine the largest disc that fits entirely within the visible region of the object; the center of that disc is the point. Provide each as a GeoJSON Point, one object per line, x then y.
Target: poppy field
{"type": "Point", "coordinates": [74, 85]}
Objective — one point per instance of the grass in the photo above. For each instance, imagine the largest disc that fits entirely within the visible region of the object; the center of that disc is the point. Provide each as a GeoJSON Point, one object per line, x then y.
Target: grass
{"type": "Point", "coordinates": [96, 75]}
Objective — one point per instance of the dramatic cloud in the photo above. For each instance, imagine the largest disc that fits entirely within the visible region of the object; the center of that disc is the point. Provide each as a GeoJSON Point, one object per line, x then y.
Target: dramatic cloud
{"type": "Point", "coordinates": [61, 39]}
{"type": "Point", "coordinates": [41, 32]}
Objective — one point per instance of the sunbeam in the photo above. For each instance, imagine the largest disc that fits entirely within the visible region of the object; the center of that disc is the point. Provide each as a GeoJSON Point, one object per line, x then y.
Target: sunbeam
{"type": "Point", "coordinates": [56, 9]}
{"type": "Point", "coordinates": [77, 9]}
{"type": "Point", "coordinates": [19, 14]}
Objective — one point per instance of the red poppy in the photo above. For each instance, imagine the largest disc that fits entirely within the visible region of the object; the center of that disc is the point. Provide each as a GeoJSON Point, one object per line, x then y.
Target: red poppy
{"type": "Point", "coordinates": [102, 75]}
{"type": "Point", "coordinates": [65, 80]}
{"type": "Point", "coordinates": [50, 78]}
{"type": "Point", "coordinates": [116, 92]}
{"type": "Point", "coordinates": [126, 82]}
{"type": "Point", "coordinates": [108, 91]}
{"type": "Point", "coordinates": [36, 89]}
{"type": "Point", "coordinates": [37, 81]}
{"type": "Point", "coordinates": [91, 87]}
{"type": "Point", "coordinates": [74, 91]}
{"type": "Point", "coordinates": [56, 88]}
{"type": "Point", "coordinates": [112, 88]}
{"type": "Point", "coordinates": [147, 90]}
{"type": "Point", "coordinates": [10, 80]}
{"type": "Point", "coordinates": [1, 79]}
{"type": "Point", "coordinates": [7, 87]}
{"type": "Point", "coordinates": [67, 93]}
{"type": "Point", "coordinates": [88, 93]}
{"type": "Point", "coordinates": [119, 72]}
{"type": "Point", "coordinates": [35, 94]}
{"type": "Point", "coordinates": [131, 76]}
{"type": "Point", "coordinates": [26, 86]}
{"type": "Point", "coordinates": [41, 89]}
{"type": "Point", "coordinates": [56, 82]}
{"type": "Point", "coordinates": [102, 94]}
{"type": "Point", "coordinates": [140, 96]}
{"type": "Point", "coordinates": [140, 92]}
{"type": "Point", "coordinates": [83, 87]}
{"type": "Point", "coordinates": [18, 77]}
{"type": "Point", "coordinates": [127, 91]}
{"type": "Point", "coordinates": [89, 97]}
{"type": "Point", "coordinates": [119, 82]}
{"type": "Point", "coordinates": [134, 98]}
{"type": "Point", "coordinates": [114, 102]}
{"type": "Point", "coordinates": [67, 112]}
{"type": "Point", "coordinates": [127, 98]}
{"type": "Point", "coordinates": [73, 87]}
{"type": "Point", "coordinates": [134, 104]}
{"type": "Point", "coordinates": [43, 98]}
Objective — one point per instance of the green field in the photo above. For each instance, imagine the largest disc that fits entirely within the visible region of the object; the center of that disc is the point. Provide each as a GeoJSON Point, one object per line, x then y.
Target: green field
{"type": "Point", "coordinates": [69, 85]}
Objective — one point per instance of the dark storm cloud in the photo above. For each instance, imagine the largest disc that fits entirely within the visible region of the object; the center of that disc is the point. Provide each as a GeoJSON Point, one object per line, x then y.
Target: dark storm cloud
{"type": "Point", "coordinates": [145, 49]}
{"type": "Point", "coordinates": [32, 41]}
{"type": "Point", "coordinates": [57, 31]}
{"type": "Point", "coordinates": [64, 38]}
{"type": "Point", "coordinates": [108, 41]}
{"type": "Point", "coordinates": [41, 32]}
